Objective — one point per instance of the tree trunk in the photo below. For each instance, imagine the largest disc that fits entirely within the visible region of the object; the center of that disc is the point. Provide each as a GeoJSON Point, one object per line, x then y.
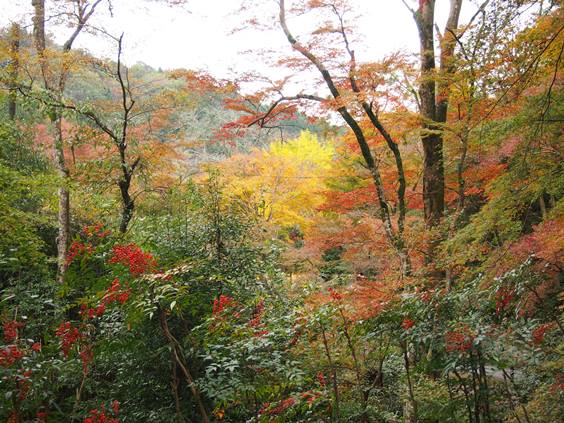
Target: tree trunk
{"type": "Point", "coordinates": [180, 361]}
{"type": "Point", "coordinates": [62, 170]}
{"type": "Point", "coordinates": [39, 25]}
{"type": "Point", "coordinates": [433, 167]}
{"type": "Point", "coordinates": [13, 69]}
{"type": "Point", "coordinates": [433, 96]}
{"type": "Point", "coordinates": [128, 205]}
{"type": "Point", "coordinates": [82, 14]}
{"type": "Point", "coordinates": [433, 179]}
{"type": "Point", "coordinates": [63, 193]}
{"type": "Point", "coordinates": [64, 203]}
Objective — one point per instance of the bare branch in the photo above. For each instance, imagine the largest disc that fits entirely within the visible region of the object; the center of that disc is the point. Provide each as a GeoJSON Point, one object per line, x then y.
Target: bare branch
{"type": "Point", "coordinates": [83, 16]}
{"type": "Point", "coordinates": [413, 12]}
{"type": "Point", "coordinates": [264, 117]}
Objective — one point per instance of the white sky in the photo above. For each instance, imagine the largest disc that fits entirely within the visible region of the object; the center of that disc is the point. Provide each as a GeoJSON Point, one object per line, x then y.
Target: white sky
{"type": "Point", "coordinates": [196, 36]}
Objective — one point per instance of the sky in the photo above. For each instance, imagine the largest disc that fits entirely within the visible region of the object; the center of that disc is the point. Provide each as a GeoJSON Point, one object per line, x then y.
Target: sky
{"type": "Point", "coordinates": [198, 34]}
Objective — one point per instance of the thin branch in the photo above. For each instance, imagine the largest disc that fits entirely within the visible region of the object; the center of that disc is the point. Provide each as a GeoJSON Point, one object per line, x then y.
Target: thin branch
{"type": "Point", "coordinates": [413, 12]}
{"type": "Point", "coordinates": [261, 121]}
{"type": "Point", "coordinates": [395, 239]}
{"type": "Point", "coordinates": [525, 72]}
{"type": "Point", "coordinates": [82, 16]}
{"type": "Point", "coordinates": [392, 145]}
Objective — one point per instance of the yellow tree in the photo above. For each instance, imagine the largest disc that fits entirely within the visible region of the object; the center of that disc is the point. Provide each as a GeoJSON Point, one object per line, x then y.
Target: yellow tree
{"type": "Point", "coordinates": [284, 183]}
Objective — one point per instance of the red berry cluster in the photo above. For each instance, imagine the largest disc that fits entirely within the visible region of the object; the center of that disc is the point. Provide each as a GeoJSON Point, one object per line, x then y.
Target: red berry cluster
{"type": "Point", "coordinates": [222, 303]}
{"type": "Point", "coordinates": [77, 248]}
{"type": "Point", "coordinates": [114, 294]}
{"type": "Point", "coordinates": [11, 330]}
{"type": "Point", "coordinates": [69, 335]}
{"type": "Point", "coordinates": [91, 313]}
{"type": "Point", "coordinates": [102, 416]}
{"type": "Point", "coordinates": [458, 341]}
{"type": "Point", "coordinates": [407, 323]}
{"type": "Point", "coordinates": [9, 355]}
{"type": "Point", "coordinates": [134, 258]}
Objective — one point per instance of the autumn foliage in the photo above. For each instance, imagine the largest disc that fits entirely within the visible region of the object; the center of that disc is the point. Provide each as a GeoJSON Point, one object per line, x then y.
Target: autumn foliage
{"type": "Point", "coordinates": [288, 249]}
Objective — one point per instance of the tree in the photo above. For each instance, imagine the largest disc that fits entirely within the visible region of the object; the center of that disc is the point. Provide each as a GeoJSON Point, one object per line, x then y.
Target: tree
{"type": "Point", "coordinates": [352, 100]}
{"type": "Point", "coordinates": [433, 102]}
{"type": "Point", "coordinates": [14, 68]}
{"type": "Point", "coordinates": [117, 128]}
{"type": "Point", "coordinates": [119, 119]}
{"type": "Point", "coordinates": [55, 84]}
{"type": "Point", "coordinates": [282, 184]}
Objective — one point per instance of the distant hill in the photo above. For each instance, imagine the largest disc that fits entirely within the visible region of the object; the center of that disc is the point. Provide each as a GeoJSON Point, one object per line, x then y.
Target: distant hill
{"type": "Point", "coordinates": [196, 123]}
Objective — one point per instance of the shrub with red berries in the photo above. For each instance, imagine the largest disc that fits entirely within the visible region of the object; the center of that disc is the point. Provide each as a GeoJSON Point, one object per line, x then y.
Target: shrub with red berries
{"type": "Point", "coordinates": [459, 340]}
{"type": "Point", "coordinates": [11, 330]}
{"type": "Point", "coordinates": [134, 258]}
{"type": "Point", "coordinates": [102, 415]}
{"type": "Point", "coordinates": [407, 323]}
{"type": "Point", "coordinates": [78, 249]}
{"type": "Point", "coordinates": [69, 336]}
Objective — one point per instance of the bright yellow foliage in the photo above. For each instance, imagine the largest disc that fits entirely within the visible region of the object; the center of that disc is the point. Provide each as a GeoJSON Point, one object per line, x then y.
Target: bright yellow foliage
{"type": "Point", "coordinates": [282, 184]}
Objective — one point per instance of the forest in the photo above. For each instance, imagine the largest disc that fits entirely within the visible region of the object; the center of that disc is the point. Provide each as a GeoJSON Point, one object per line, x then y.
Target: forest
{"type": "Point", "coordinates": [347, 239]}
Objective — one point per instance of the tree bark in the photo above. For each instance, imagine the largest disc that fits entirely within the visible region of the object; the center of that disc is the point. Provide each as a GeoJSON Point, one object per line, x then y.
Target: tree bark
{"type": "Point", "coordinates": [180, 361]}
{"type": "Point", "coordinates": [63, 215]}
{"type": "Point", "coordinates": [58, 90]}
{"type": "Point", "coordinates": [64, 202]}
{"type": "Point", "coordinates": [13, 69]}
{"type": "Point", "coordinates": [336, 415]}
{"type": "Point", "coordinates": [128, 204]}
{"type": "Point", "coordinates": [121, 140]}
{"type": "Point", "coordinates": [433, 165]}
{"type": "Point", "coordinates": [39, 25]}
{"type": "Point", "coordinates": [434, 89]}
